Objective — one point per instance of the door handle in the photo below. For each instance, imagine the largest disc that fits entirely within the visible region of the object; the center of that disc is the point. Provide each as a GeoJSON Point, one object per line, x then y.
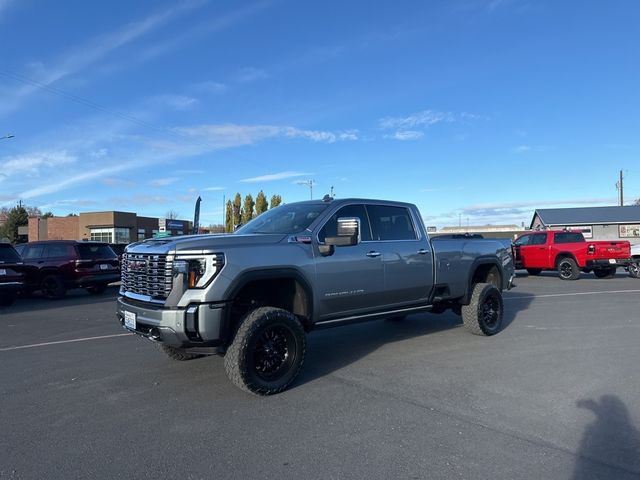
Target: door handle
{"type": "Point", "coordinates": [373, 254]}
{"type": "Point", "coordinates": [423, 251]}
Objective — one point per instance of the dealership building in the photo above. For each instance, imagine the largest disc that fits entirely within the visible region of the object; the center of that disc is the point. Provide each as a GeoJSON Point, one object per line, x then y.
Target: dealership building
{"type": "Point", "coordinates": [112, 227]}
{"type": "Point", "coordinates": [597, 223]}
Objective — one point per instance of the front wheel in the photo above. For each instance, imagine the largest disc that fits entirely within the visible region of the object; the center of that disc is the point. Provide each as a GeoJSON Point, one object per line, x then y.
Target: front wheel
{"type": "Point", "coordinates": [634, 269]}
{"type": "Point", "coordinates": [267, 351]}
{"type": "Point", "coordinates": [53, 287]}
{"type": "Point", "coordinates": [483, 315]}
{"type": "Point", "coordinates": [568, 269]}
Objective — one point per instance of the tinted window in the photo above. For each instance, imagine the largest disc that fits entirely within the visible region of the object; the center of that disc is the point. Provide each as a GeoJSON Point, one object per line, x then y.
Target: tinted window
{"type": "Point", "coordinates": [330, 229]}
{"type": "Point", "coordinates": [57, 250]}
{"type": "Point", "coordinates": [284, 219]}
{"type": "Point", "coordinates": [390, 223]}
{"type": "Point", "coordinates": [538, 239]}
{"type": "Point", "coordinates": [8, 254]}
{"type": "Point", "coordinates": [523, 240]}
{"type": "Point", "coordinates": [89, 251]}
{"type": "Point", "coordinates": [568, 237]}
{"type": "Point", "coordinates": [32, 251]}
{"type": "Point", "coordinates": [19, 248]}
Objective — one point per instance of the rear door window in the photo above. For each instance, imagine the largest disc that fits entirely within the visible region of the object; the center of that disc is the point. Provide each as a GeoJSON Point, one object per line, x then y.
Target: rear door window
{"type": "Point", "coordinates": [58, 250]}
{"type": "Point", "coordinates": [568, 237]}
{"type": "Point", "coordinates": [93, 252]}
{"type": "Point", "coordinates": [32, 252]}
{"type": "Point", "coordinates": [391, 223]}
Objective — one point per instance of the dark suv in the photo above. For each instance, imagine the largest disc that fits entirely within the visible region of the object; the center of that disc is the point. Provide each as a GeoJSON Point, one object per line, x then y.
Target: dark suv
{"type": "Point", "coordinates": [11, 274]}
{"type": "Point", "coordinates": [64, 264]}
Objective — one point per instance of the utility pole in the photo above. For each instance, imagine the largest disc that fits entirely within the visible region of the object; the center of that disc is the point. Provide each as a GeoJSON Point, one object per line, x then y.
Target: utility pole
{"type": "Point", "coordinates": [620, 187]}
{"type": "Point", "coordinates": [309, 183]}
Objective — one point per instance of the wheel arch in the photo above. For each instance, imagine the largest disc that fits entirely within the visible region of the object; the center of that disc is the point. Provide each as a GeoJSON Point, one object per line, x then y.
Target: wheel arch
{"type": "Point", "coordinates": [480, 271]}
{"type": "Point", "coordinates": [561, 256]}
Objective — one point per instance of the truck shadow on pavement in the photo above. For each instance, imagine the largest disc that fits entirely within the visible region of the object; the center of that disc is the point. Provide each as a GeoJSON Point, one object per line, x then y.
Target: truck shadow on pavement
{"type": "Point", "coordinates": [610, 446]}
{"type": "Point", "coordinates": [333, 349]}
{"type": "Point", "coordinates": [76, 297]}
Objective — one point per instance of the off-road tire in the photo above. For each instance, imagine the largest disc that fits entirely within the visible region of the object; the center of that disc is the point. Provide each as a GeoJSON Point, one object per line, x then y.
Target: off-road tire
{"type": "Point", "coordinates": [634, 268]}
{"type": "Point", "coordinates": [568, 269]}
{"type": "Point", "coordinates": [484, 314]}
{"type": "Point", "coordinates": [266, 337]}
{"type": "Point", "coordinates": [534, 271]}
{"type": "Point", "coordinates": [176, 353]}
{"type": "Point", "coordinates": [608, 272]}
{"type": "Point", "coordinates": [7, 300]}
{"type": "Point", "coordinates": [97, 289]}
{"type": "Point", "coordinates": [53, 287]}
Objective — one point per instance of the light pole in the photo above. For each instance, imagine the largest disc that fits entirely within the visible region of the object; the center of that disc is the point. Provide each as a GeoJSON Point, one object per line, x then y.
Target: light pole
{"type": "Point", "coordinates": [308, 183]}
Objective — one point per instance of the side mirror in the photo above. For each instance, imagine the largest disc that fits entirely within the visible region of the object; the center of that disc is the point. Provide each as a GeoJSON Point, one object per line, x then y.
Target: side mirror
{"type": "Point", "coordinates": [348, 233]}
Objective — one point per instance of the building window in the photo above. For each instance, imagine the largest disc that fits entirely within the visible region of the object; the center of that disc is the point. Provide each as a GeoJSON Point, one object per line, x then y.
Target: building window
{"type": "Point", "coordinates": [102, 235]}
{"type": "Point", "coordinates": [121, 235]}
{"type": "Point", "coordinates": [141, 234]}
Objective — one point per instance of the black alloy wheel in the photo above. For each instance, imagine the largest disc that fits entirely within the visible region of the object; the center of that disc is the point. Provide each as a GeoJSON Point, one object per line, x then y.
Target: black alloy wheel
{"type": "Point", "coordinates": [272, 355]}
{"type": "Point", "coordinates": [634, 269]}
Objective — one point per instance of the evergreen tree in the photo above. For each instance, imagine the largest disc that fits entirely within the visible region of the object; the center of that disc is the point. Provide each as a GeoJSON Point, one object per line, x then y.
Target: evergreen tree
{"type": "Point", "coordinates": [261, 203]}
{"type": "Point", "coordinates": [228, 221]}
{"type": "Point", "coordinates": [275, 201]}
{"type": "Point", "coordinates": [237, 204]}
{"type": "Point", "coordinates": [247, 209]}
{"type": "Point", "coordinates": [16, 217]}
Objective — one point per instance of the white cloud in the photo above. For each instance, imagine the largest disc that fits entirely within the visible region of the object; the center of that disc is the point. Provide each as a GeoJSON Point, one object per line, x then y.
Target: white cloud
{"type": "Point", "coordinates": [403, 135]}
{"type": "Point", "coordinates": [250, 74]}
{"type": "Point", "coordinates": [177, 102]}
{"type": "Point", "coordinates": [34, 162]}
{"type": "Point", "coordinates": [424, 118]}
{"type": "Point", "coordinates": [531, 148]}
{"type": "Point", "coordinates": [163, 182]}
{"type": "Point", "coordinates": [90, 52]}
{"type": "Point", "coordinates": [213, 189]}
{"type": "Point", "coordinates": [274, 176]}
{"type": "Point", "coordinates": [209, 86]}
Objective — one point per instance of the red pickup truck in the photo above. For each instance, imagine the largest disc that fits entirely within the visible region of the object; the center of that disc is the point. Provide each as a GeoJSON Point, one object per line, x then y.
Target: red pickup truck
{"type": "Point", "coordinates": [568, 252]}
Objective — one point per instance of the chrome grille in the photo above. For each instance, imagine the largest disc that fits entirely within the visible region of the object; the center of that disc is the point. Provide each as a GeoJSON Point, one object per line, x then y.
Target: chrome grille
{"type": "Point", "coordinates": [147, 274]}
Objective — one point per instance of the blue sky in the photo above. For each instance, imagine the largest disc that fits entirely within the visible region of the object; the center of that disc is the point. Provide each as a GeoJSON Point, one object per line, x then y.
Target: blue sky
{"type": "Point", "coordinates": [480, 110]}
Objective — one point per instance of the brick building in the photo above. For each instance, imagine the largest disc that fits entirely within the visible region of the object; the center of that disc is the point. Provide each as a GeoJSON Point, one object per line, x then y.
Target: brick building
{"type": "Point", "coordinates": [112, 227]}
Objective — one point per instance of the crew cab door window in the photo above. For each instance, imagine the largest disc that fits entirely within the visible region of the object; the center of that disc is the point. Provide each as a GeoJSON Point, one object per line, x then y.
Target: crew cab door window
{"type": "Point", "coordinates": [523, 240]}
{"type": "Point", "coordinates": [391, 223]}
{"type": "Point", "coordinates": [538, 239]}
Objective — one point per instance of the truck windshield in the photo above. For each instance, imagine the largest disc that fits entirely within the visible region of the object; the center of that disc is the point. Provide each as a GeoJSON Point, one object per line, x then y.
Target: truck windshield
{"type": "Point", "coordinates": [285, 219]}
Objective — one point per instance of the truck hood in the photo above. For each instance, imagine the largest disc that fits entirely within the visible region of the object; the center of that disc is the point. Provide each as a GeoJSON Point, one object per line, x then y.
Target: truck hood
{"type": "Point", "coordinates": [202, 242]}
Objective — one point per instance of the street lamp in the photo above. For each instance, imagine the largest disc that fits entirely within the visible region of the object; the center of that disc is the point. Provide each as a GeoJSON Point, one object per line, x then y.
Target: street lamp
{"type": "Point", "coordinates": [308, 183]}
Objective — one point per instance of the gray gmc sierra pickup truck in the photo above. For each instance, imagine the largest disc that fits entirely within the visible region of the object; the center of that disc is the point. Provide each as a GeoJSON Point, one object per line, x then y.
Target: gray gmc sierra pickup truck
{"type": "Point", "coordinates": [253, 295]}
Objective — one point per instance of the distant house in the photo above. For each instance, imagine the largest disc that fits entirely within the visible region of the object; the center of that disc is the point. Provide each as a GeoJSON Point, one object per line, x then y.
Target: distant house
{"type": "Point", "coordinates": [599, 223]}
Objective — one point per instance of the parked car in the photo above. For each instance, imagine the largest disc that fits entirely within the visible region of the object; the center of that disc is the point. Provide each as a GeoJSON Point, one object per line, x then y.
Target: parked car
{"type": "Point", "coordinates": [11, 274]}
{"type": "Point", "coordinates": [569, 253]}
{"type": "Point", "coordinates": [60, 265]}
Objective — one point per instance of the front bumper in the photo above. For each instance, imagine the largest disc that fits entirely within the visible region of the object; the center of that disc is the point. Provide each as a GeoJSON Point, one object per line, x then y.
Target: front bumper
{"type": "Point", "coordinates": [11, 287]}
{"type": "Point", "coordinates": [603, 263]}
{"type": "Point", "coordinates": [197, 326]}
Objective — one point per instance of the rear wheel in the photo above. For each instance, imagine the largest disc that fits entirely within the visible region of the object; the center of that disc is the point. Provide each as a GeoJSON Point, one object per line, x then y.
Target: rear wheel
{"type": "Point", "coordinates": [534, 271]}
{"type": "Point", "coordinates": [608, 272]}
{"type": "Point", "coordinates": [267, 351]}
{"type": "Point", "coordinates": [483, 315]}
{"type": "Point", "coordinates": [634, 269]}
{"type": "Point", "coordinates": [53, 287]}
{"type": "Point", "coordinates": [568, 269]}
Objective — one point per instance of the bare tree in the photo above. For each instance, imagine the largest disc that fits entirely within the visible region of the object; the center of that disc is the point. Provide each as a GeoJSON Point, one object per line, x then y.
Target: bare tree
{"type": "Point", "coordinates": [172, 215]}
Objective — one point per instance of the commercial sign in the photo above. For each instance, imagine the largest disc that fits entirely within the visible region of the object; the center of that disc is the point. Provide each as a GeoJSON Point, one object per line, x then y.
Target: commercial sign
{"type": "Point", "coordinates": [174, 225]}
{"type": "Point", "coordinates": [162, 224]}
{"type": "Point", "coordinates": [629, 231]}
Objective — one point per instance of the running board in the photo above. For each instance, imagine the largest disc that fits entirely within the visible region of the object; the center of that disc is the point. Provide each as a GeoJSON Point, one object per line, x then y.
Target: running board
{"type": "Point", "coordinates": [369, 316]}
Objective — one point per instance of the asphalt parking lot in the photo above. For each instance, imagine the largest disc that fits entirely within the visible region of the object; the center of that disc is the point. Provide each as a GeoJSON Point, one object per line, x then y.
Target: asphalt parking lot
{"type": "Point", "coordinates": [555, 395]}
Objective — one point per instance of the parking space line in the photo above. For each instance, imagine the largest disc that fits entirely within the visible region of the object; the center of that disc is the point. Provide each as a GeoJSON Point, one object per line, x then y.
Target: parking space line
{"type": "Point", "coordinates": [569, 294]}
{"type": "Point", "coordinates": [63, 341]}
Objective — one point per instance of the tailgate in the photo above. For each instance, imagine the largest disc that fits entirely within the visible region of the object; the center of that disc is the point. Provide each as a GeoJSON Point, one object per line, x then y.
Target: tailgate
{"type": "Point", "coordinates": [613, 249]}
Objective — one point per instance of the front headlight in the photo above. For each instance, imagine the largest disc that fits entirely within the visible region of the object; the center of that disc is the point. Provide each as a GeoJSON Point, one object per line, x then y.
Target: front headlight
{"type": "Point", "coordinates": [197, 271]}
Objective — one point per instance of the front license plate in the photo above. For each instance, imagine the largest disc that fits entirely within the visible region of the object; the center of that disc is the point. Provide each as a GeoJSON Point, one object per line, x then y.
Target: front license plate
{"type": "Point", "coordinates": [130, 320]}
{"type": "Point", "coordinates": [104, 267]}
{"type": "Point", "coordinates": [3, 271]}
{"type": "Point", "coordinates": [612, 261]}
